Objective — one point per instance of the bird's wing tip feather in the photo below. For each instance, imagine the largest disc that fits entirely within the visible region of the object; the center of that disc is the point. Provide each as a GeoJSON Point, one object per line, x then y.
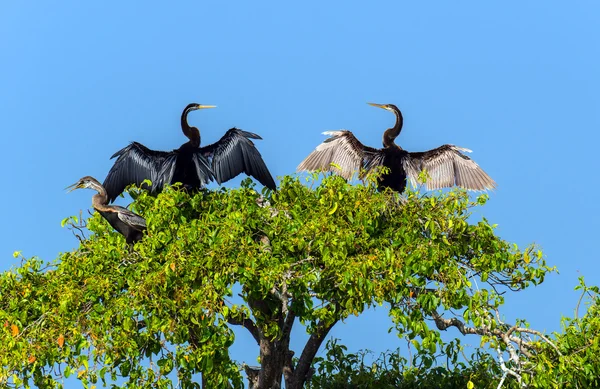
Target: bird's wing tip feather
{"type": "Point", "coordinates": [463, 149]}
{"type": "Point", "coordinates": [244, 133]}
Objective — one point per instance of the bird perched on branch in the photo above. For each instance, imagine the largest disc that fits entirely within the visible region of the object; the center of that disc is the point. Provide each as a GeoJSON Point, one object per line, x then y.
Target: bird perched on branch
{"type": "Point", "coordinates": [127, 223]}
{"type": "Point", "coordinates": [446, 165]}
{"type": "Point", "coordinates": [190, 164]}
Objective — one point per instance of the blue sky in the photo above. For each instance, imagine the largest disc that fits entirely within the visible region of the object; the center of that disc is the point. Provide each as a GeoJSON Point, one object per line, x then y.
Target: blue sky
{"type": "Point", "coordinates": [517, 82]}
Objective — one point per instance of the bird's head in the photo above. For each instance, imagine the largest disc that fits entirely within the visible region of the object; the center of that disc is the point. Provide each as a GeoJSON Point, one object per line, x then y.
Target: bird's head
{"type": "Point", "coordinates": [387, 107]}
{"type": "Point", "coordinates": [85, 182]}
{"type": "Point", "coordinates": [195, 106]}
{"type": "Point", "coordinates": [192, 133]}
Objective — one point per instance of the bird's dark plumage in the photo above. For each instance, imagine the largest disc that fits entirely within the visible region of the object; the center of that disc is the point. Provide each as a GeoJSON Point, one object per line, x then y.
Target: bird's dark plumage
{"type": "Point", "coordinates": [190, 164]}
{"type": "Point", "coordinates": [446, 165]}
{"type": "Point", "coordinates": [127, 223]}
{"type": "Point", "coordinates": [235, 153]}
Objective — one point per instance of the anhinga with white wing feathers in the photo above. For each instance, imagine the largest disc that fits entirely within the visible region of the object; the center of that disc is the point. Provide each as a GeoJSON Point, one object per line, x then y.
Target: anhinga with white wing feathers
{"type": "Point", "coordinates": [127, 223]}
{"type": "Point", "coordinates": [446, 165]}
{"type": "Point", "coordinates": [190, 164]}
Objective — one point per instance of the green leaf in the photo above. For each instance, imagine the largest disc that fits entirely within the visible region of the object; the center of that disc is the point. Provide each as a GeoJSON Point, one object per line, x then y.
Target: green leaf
{"type": "Point", "coordinates": [333, 209]}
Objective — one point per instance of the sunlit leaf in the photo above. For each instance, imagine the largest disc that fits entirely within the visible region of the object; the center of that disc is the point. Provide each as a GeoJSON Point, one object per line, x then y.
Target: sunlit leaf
{"type": "Point", "coordinates": [60, 340]}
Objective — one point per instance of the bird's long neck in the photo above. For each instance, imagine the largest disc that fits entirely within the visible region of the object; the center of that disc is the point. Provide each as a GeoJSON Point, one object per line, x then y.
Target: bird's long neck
{"type": "Point", "coordinates": [100, 200]}
{"type": "Point", "coordinates": [193, 136]}
{"type": "Point", "coordinates": [392, 133]}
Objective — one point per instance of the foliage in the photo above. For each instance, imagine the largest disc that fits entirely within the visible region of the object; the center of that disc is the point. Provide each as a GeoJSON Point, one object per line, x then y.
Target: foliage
{"type": "Point", "coordinates": [160, 313]}
{"type": "Point", "coordinates": [578, 364]}
{"type": "Point", "coordinates": [575, 365]}
{"type": "Point", "coordinates": [339, 369]}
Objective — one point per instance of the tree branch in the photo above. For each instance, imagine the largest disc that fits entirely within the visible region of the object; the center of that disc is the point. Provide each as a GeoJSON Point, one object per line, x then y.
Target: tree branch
{"type": "Point", "coordinates": [310, 350]}
{"type": "Point", "coordinates": [248, 324]}
{"type": "Point", "coordinates": [252, 373]}
{"type": "Point", "coordinates": [506, 370]}
{"type": "Point", "coordinates": [507, 338]}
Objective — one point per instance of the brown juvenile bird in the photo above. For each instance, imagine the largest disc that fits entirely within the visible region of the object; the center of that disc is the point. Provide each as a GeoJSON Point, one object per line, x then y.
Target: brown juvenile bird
{"type": "Point", "coordinates": [127, 223]}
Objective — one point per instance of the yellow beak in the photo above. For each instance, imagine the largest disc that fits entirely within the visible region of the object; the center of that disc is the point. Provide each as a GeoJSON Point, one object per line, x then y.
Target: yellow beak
{"type": "Point", "coordinates": [206, 106]}
{"type": "Point", "coordinates": [71, 188]}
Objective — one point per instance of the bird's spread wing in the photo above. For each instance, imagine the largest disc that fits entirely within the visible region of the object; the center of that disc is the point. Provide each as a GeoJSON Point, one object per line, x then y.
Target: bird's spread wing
{"type": "Point", "coordinates": [342, 154]}
{"type": "Point", "coordinates": [130, 218]}
{"type": "Point", "coordinates": [134, 164]}
{"type": "Point", "coordinates": [235, 153]}
{"type": "Point", "coordinates": [446, 166]}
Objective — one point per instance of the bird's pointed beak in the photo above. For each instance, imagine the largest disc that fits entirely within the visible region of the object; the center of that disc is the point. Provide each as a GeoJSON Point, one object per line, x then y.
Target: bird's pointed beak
{"type": "Point", "coordinates": [71, 188]}
{"type": "Point", "coordinates": [377, 105]}
{"type": "Point", "coordinates": [200, 106]}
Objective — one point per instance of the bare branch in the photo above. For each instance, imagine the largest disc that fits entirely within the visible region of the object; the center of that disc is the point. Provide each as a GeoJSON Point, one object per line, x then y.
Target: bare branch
{"type": "Point", "coordinates": [248, 324]}
{"type": "Point", "coordinates": [34, 323]}
{"type": "Point", "coordinates": [443, 324]}
{"type": "Point", "coordinates": [578, 304]}
{"type": "Point", "coordinates": [310, 350]}
{"type": "Point", "coordinates": [506, 370]}
{"type": "Point", "coordinates": [538, 333]}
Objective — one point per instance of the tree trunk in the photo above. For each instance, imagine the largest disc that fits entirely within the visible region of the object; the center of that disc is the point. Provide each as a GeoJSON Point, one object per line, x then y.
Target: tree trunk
{"type": "Point", "coordinates": [272, 359]}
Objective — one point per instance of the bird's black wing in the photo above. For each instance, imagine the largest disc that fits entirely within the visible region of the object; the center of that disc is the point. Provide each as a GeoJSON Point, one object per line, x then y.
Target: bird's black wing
{"type": "Point", "coordinates": [446, 166]}
{"type": "Point", "coordinates": [235, 153]}
{"type": "Point", "coordinates": [132, 219]}
{"type": "Point", "coordinates": [136, 163]}
{"type": "Point", "coordinates": [203, 169]}
{"type": "Point", "coordinates": [342, 154]}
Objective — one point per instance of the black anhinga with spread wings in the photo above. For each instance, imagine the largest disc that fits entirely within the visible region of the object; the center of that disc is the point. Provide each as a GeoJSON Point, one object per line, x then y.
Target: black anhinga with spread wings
{"type": "Point", "coordinates": [129, 224]}
{"type": "Point", "coordinates": [190, 164]}
{"type": "Point", "coordinates": [446, 165]}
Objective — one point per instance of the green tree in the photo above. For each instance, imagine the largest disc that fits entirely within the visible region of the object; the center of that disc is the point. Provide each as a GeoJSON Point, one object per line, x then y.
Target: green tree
{"type": "Point", "coordinates": [390, 370]}
{"type": "Point", "coordinates": [572, 358]}
{"type": "Point", "coordinates": [567, 359]}
{"type": "Point", "coordinates": [160, 314]}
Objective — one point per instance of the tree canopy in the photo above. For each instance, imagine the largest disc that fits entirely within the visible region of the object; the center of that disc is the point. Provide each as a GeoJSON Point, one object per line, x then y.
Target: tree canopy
{"type": "Point", "coordinates": [160, 314]}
